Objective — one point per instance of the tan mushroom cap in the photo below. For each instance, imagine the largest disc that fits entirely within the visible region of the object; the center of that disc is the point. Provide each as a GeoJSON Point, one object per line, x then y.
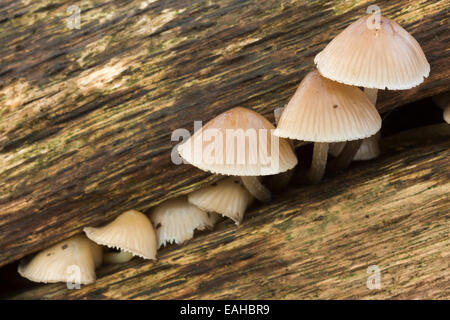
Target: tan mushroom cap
{"type": "Point", "coordinates": [176, 219]}
{"type": "Point", "coordinates": [234, 158]}
{"type": "Point", "coordinates": [322, 110]}
{"type": "Point", "coordinates": [132, 232]}
{"type": "Point", "coordinates": [61, 262]}
{"type": "Point", "coordinates": [227, 197]}
{"type": "Point", "coordinates": [388, 57]}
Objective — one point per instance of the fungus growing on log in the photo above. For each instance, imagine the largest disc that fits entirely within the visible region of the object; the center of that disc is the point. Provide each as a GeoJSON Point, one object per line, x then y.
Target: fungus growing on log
{"type": "Point", "coordinates": [175, 221]}
{"type": "Point", "coordinates": [73, 260]}
{"type": "Point", "coordinates": [325, 111]}
{"type": "Point", "coordinates": [240, 142]}
{"type": "Point", "coordinates": [132, 233]}
{"type": "Point", "coordinates": [373, 52]}
{"type": "Point", "coordinates": [227, 197]}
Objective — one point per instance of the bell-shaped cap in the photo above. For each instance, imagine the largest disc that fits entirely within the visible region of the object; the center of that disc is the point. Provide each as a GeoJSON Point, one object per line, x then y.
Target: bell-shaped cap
{"type": "Point", "coordinates": [227, 197]}
{"type": "Point", "coordinates": [322, 110]}
{"type": "Point", "coordinates": [372, 55]}
{"type": "Point", "coordinates": [176, 219]}
{"type": "Point", "coordinates": [131, 232]}
{"type": "Point", "coordinates": [73, 260]}
{"type": "Point", "coordinates": [238, 142]}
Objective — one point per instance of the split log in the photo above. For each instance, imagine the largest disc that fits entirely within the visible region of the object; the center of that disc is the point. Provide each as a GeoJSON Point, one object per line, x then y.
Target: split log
{"type": "Point", "coordinates": [86, 114]}
{"type": "Point", "coordinates": [312, 242]}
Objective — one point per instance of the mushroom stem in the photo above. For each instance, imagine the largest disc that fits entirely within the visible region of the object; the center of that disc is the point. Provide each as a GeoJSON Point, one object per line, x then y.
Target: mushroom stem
{"type": "Point", "coordinates": [347, 154]}
{"type": "Point", "coordinates": [319, 162]}
{"type": "Point", "coordinates": [256, 188]}
{"type": "Point", "coordinates": [372, 94]}
{"type": "Point", "coordinates": [117, 257]}
{"type": "Point", "coordinates": [277, 114]}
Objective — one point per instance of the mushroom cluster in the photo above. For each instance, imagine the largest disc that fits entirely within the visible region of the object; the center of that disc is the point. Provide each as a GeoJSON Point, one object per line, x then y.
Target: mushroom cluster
{"type": "Point", "coordinates": [327, 109]}
{"type": "Point", "coordinates": [174, 221]}
{"type": "Point", "coordinates": [375, 53]}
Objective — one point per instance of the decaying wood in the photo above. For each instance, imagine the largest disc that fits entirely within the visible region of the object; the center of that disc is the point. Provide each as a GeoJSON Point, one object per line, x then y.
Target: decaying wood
{"type": "Point", "coordinates": [312, 242]}
{"type": "Point", "coordinates": [86, 115]}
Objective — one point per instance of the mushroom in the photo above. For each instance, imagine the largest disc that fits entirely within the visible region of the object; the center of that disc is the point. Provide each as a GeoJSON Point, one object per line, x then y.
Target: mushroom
{"type": "Point", "coordinates": [257, 151]}
{"type": "Point", "coordinates": [369, 149]}
{"type": "Point", "coordinates": [72, 260]}
{"type": "Point", "coordinates": [227, 197]}
{"type": "Point", "coordinates": [325, 111]}
{"type": "Point", "coordinates": [132, 233]}
{"type": "Point", "coordinates": [373, 56]}
{"type": "Point", "coordinates": [176, 219]}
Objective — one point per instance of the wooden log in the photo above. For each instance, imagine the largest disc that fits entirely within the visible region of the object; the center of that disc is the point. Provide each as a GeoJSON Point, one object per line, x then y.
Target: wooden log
{"type": "Point", "coordinates": [86, 114]}
{"type": "Point", "coordinates": [312, 242]}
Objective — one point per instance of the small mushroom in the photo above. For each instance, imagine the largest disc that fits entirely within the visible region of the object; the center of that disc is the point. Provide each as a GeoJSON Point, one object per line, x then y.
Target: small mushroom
{"type": "Point", "coordinates": [227, 197]}
{"type": "Point", "coordinates": [257, 156]}
{"type": "Point", "coordinates": [75, 256]}
{"type": "Point", "coordinates": [176, 219]}
{"type": "Point", "coordinates": [325, 111]}
{"type": "Point", "coordinates": [131, 232]}
{"type": "Point", "coordinates": [383, 56]}
{"type": "Point", "coordinates": [369, 149]}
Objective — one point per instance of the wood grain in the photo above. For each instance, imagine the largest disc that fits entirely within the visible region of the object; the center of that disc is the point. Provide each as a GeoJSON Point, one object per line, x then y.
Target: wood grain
{"type": "Point", "coordinates": [86, 115]}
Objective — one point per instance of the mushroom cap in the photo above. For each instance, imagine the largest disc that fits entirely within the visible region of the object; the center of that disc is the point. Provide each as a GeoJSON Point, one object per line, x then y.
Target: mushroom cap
{"type": "Point", "coordinates": [227, 197]}
{"type": "Point", "coordinates": [60, 262]}
{"type": "Point", "coordinates": [369, 149]}
{"type": "Point", "coordinates": [388, 57]}
{"type": "Point", "coordinates": [132, 232]}
{"type": "Point", "coordinates": [322, 110]}
{"type": "Point", "coordinates": [176, 219]}
{"type": "Point", "coordinates": [250, 154]}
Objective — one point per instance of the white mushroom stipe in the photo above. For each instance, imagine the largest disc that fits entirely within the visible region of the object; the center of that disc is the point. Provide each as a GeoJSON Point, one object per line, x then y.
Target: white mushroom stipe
{"type": "Point", "coordinates": [256, 188]}
{"type": "Point", "coordinates": [319, 162]}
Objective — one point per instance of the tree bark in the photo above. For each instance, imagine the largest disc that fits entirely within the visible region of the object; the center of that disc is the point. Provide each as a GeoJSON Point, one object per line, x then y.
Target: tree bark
{"type": "Point", "coordinates": [86, 114]}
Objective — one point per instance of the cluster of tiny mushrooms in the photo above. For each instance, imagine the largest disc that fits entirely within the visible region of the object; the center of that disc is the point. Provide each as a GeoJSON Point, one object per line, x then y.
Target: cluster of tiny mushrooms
{"type": "Point", "coordinates": [328, 109]}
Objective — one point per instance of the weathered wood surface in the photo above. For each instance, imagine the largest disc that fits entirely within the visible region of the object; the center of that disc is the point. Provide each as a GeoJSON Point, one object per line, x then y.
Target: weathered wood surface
{"type": "Point", "coordinates": [86, 115]}
{"type": "Point", "coordinates": [312, 242]}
